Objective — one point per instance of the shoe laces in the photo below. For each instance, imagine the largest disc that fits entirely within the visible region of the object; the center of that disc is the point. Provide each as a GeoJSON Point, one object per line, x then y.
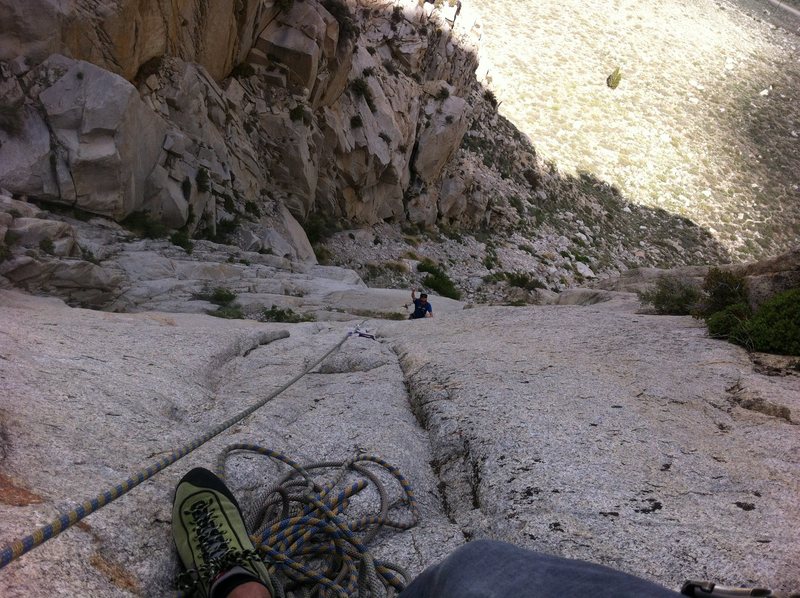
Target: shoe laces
{"type": "Point", "coordinates": [213, 544]}
{"type": "Point", "coordinates": [218, 556]}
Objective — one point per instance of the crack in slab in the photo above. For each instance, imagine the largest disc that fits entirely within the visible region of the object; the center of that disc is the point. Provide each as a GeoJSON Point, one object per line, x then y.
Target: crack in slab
{"type": "Point", "coordinates": [748, 399]}
{"type": "Point", "coordinates": [454, 463]}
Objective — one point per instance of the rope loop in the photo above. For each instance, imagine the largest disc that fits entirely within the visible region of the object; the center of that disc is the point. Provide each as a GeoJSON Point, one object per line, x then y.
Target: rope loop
{"type": "Point", "coordinates": [303, 532]}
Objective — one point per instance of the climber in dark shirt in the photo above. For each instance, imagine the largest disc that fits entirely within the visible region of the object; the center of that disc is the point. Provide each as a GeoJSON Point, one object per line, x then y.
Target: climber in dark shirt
{"type": "Point", "coordinates": [422, 309]}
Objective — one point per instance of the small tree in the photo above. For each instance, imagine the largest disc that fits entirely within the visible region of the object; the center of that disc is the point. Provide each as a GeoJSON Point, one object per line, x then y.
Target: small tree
{"type": "Point", "coordinates": [671, 296]}
{"type": "Point", "coordinates": [721, 289]}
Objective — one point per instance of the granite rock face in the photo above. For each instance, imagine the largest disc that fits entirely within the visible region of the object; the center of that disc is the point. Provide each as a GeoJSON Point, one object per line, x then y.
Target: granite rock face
{"type": "Point", "coordinates": [189, 372]}
{"type": "Point", "coordinates": [625, 442]}
{"type": "Point", "coordinates": [190, 111]}
{"type": "Point", "coordinates": [522, 424]}
{"type": "Point", "coordinates": [120, 36]}
{"type": "Point", "coordinates": [106, 138]}
{"type": "Point", "coordinates": [100, 264]}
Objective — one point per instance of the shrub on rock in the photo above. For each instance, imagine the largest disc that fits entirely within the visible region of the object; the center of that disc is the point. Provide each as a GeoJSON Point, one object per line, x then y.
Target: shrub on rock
{"type": "Point", "coordinates": [721, 290]}
{"type": "Point", "coordinates": [730, 323]}
{"type": "Point", "coordinates": [438, 280]}
{"type": "Point", "coordinates": [775, 328]}
{"type": "Point", "coordinates": [672, 296]}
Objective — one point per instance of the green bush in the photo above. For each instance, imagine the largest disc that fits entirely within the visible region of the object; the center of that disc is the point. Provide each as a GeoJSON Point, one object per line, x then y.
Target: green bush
{"type": "Point", "coordinates": [319, 227]}
{"type": "Point", "coordinates": [222, 296]}
{"type": "Point", "coordinates": [228, 204]}
{"type": "Point", "coordinates": [11, 119]}
{"type": "Point", "coordinates": [438, 280]}
{"type": "Point", "coordinates": [390, 67]}
{"type": "Point", "coordinates": [181, 239]}
{"type": "Point", "coordinates": [88, 255]}
{"type": "Point", "coordinates": [398, 267]}
{"type": "Point", "coordinates": [490, 260]}
{"type": "Point", "coordinates": [144, 225]}
{"type": "Point", "coordinates": [361, 89]}
{"type": "Point", "coordinates": [431, 267]}
{"type": "Point", "coordinates": [323, 254]}
{"type": "Point", "coordinates": [393, 316]}
{"type": "Point", "coordinates": [277, 314]}
{"type": "Point", "coordinates": [186, 188]}
{"type": "Point", "coordinates": [442, 285]}
{"type": "Point", "coordinates": [348, 29]}
{"type": "Point", "coordinates": [243, 70]}
{"type": "Point", "coordinates": [225, 228]}
{"type": "Point", "coordinates": [489, 96]}
{"type": "Point", "coordinates": [218, 296]}
{"type": "Point", "coordinates": [523, 280]}
{"type": "Point", "coordinates": [47, 246]}
{"type": "Point", "coordinates": [518, 205]}
{"type": "Point", "coordinates": [228, 312]}
{"type": "Point", "coordinates": [671, 296]}
{"type": "Point", "coordinates": [721, 289]}
{"type": "Point", "coordinates": [775, 328]}
{"type": "Point", "coordinates": [729, 323]}
{"type": "Point", "coordinates": [5, 252]}
{"type": "Point", "coordinates": [251, 207]}
{"type": "Point", "coordinates": [494, 277]}
{"type": "Point", "coordinates": [203, 180]}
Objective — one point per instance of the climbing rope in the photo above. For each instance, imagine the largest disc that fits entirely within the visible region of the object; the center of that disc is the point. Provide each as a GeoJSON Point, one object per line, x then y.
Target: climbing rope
{"type": "Point", "coordinates": [306, 540]}
{"type": "Point", "coordinates": [17, 548]}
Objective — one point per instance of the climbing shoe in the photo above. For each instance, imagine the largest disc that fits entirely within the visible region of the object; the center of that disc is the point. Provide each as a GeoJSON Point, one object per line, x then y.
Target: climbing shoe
{"type": "Point", "coordinates": [212, 539]}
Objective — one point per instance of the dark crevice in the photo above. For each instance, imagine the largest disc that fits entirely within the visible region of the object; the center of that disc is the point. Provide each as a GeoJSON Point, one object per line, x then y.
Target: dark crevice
{"type": "Point", "coordinates": [456, 468]}
{"type": "Point", "coordinates": [475, 482]}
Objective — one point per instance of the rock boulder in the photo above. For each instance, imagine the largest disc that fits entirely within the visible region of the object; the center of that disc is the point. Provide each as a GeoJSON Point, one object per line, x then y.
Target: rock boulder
{"type": "Point", "coordinates": [107, 137]}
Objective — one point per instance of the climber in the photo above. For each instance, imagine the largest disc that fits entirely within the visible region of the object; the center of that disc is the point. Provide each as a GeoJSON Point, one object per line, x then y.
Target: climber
{"type": "Point", "coordinates": [422, 309]}
{"type": "Point", "coordinates": [220, 559]}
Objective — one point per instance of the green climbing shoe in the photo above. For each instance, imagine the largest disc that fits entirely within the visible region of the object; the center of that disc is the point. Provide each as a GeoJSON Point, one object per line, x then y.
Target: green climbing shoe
{"type": "Point", "coordinates": [212, 539]}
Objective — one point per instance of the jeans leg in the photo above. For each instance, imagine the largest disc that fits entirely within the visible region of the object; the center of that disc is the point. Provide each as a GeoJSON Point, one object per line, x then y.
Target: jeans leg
{"type": "Point", "coordinates": [490, 569]}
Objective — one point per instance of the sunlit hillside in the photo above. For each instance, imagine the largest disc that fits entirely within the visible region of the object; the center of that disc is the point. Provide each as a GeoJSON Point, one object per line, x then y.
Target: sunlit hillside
{"type": "Point", "coordinates": [704, 123]}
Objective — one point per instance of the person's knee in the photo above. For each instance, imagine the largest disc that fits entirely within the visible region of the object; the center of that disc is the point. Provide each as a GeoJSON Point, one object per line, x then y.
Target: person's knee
{"type": "Point", "coordinates": [478, 551]}
{"type": "Point", "coordinates": [477, 547]}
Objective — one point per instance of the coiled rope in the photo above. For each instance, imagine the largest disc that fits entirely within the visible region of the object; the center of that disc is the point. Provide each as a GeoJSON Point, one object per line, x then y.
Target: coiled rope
{"type": "Point", "coordinates": [17, 548]}
{"type": "Point", "coordinates": [303, 534]}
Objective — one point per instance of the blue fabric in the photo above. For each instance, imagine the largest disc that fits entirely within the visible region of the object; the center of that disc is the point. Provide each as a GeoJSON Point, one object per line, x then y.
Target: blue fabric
{"type": "Point", "coordinates": [420, 310]}
{"type": "Point", "coordinates": [489, 569]}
